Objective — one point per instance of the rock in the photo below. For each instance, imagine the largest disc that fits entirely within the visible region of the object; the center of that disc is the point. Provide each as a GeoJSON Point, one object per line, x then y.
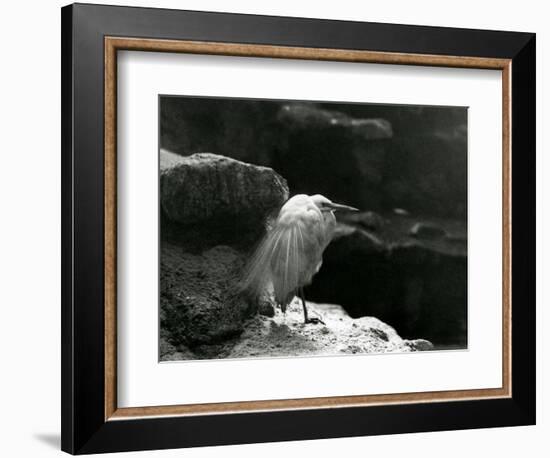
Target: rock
{"type": "Point", "coordinates": [166, 348]}
{"type": "Point", "coordinates": [168, 352]}
{"type": "Point", "coordinates": [198, 300]}
{"type": "Point", "coordinates": [420, 344]}
{"type": "Point", "coordinates": [266, 308]}
{"type": "Point", "coordinates": [307, 116]}
{"type": "Point", "coordinates": [350, 241]}
{"type": "Point", "coordinates": [371, 221]}
{"type": "Point", "coordinates": [286, 335]}
{"type": "Point", "coordinates": [412, 157]}
{"type": "Point", "coordinates": [207, 199]}
{"type": "Point", "coordinates": [415, 285]}
{"type": "Point", "coordinates": [219, 197]}
{"type": "Point", "coordinates": [333, 153]}
{"type": "Point", "coordinates": [204, 185]}
{"type": "Point", "coordinates": [169, 160]}
{"type": "Point", "coordinates": [428, 231]}
{"type": "Point", "coordinates": [426, 173]}
{"type": "Point", "coordinates": [243, 129]}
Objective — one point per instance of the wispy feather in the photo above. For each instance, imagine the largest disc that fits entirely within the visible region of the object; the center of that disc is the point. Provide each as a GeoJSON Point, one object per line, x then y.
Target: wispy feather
{"type": "Point", "coordinates": [291, 252]}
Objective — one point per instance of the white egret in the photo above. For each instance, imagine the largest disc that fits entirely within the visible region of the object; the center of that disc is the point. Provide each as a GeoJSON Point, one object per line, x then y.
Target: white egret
{"type": "Point", "coordinates": [291, 252]}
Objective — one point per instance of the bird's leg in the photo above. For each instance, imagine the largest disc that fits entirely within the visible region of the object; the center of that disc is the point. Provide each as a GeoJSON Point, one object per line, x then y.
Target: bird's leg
{"type": "Point", "coordinates": [313, 320]}
{"type": "Point", "coordinates": [301, 295]}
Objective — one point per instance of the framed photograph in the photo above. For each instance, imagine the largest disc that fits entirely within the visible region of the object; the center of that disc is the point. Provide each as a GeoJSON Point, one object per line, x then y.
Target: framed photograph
{"type": "Point", "coordinates": [281, 228]}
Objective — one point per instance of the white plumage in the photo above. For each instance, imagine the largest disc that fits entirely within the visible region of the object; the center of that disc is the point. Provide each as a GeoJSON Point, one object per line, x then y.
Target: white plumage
{"type": "Point", "coordinates": [291, 252]}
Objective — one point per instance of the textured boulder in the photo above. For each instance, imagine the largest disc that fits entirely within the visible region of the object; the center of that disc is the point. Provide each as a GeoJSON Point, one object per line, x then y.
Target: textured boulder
{"type": "Point", "coordinates": [197, 298]}
{"type": "Point", "coordinates": [219, 196]}
{"type": "Point", "coordinates": [204, 185]}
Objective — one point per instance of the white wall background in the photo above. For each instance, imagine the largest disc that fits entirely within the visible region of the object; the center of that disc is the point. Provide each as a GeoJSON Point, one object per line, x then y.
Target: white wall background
{"type": "Point", "coordinates": [30, 227]}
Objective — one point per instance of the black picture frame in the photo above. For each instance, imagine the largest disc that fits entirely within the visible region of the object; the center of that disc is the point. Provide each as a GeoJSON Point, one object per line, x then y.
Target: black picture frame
{"type": "Point", "coordinates": [84, 428]}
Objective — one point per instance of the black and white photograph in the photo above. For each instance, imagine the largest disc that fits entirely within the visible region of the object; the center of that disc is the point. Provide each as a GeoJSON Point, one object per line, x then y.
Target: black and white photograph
{"type": "Point", "coordinates": [275, 229]}
{"type": "Point", "coordinates": [293, 228]}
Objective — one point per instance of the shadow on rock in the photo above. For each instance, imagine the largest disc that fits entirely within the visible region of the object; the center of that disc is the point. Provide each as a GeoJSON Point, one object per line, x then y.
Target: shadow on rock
{"type": "Point", "coordinates": [418, 287]}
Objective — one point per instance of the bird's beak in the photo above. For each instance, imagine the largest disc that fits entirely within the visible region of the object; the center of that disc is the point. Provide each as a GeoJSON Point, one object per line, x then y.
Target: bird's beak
{"type": "Point", "coordinates": [334, 207]}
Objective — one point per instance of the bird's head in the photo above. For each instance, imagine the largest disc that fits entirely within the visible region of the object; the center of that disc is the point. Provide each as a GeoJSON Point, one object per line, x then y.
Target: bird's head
{"type": "Point", "coordinates": [326, 205]}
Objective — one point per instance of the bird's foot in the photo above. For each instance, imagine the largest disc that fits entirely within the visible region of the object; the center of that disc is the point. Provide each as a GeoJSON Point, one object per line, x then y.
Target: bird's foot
{"type": "Point", "coordinates": [314, 320]}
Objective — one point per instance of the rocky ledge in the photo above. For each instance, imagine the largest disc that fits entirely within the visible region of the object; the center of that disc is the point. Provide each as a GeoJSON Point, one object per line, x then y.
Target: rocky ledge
{"type": "Point", "coordinates": [285, 335]}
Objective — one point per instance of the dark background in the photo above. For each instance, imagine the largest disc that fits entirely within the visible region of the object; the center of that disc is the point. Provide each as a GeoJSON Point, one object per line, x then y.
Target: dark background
{"type": "Point", "coordinates": [378, 158]}
{"type": "Point", "coordinates": [419, 165]}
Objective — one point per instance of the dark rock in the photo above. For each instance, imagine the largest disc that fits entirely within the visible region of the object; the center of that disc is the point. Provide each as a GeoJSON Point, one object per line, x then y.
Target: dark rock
{"type": "Point", "coordinates": [308, 116]}
{"type": "Point", "coordinates": [198, 300]}
{"type": "Point", "coordinates": [266, 308]}
{"type": "Point", "coordinates": [368, 155]}
{"type": "Point", "coordinates": [353, 241]}
{"type": "Point", "coordinates": [428, 231]}
{"type": "Point", "coordinates": [218, 197]}
{"type": "Point", "coordinates": [405, 158]}
{"type": "Point", "coordinates": [168, 352]}
{"type": "Point", "coordinates": [166, 348]}
{"type": "Point", "coordinates": [371, 221]}
{"type": "Point", "coordinates": [417, 287]}
{"type": "Point", "coordinates": [335, 154]}
{"type": "Point", "coordinates": [207, 199]}
{"type": "Point", "coordinates": [426, 173]}
{"type": "Point", "coordinates": [242, 129]}
{"type": "Point", "coordinates": [204, 185]}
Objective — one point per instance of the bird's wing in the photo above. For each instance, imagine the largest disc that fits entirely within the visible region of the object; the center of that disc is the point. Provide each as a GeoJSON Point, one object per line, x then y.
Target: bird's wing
{"type": "Point", "coordinates": [287, 258]}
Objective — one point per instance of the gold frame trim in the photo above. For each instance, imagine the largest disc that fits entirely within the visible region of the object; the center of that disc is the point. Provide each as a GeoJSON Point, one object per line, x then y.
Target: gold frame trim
{"type": "Point", "coordinates": [112, 45]}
